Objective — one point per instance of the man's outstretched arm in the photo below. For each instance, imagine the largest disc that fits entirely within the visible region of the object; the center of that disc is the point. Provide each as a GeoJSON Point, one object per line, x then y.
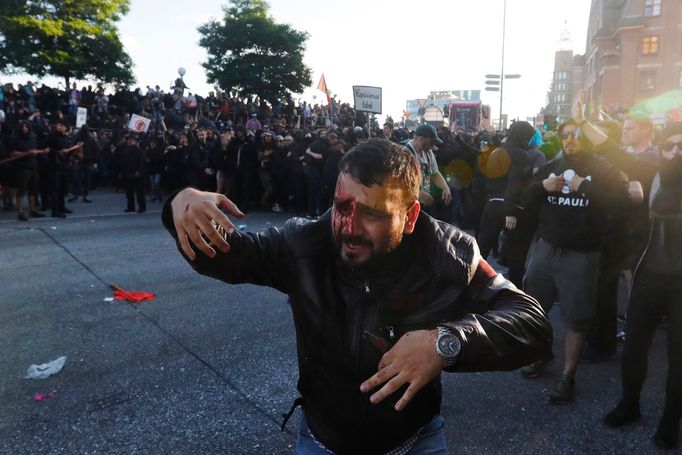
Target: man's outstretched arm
{"type": "Point", "coordinates": [212, 245]}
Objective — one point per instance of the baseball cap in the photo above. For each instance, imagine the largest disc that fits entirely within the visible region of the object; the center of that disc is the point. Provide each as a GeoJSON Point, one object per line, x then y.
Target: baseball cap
{"type": "Point", "coordinates": [429, 132]}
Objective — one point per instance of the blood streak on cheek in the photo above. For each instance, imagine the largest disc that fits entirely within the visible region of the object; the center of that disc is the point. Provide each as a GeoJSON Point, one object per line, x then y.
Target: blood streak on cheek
{"type": "Point", "coordinates": [344, 216]}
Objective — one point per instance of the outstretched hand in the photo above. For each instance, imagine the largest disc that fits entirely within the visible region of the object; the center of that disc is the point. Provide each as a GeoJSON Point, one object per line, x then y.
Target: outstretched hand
{"type": "Point", "coordinates": [193, 212]}
{"type": "Point", "coordinates": [412, 360]}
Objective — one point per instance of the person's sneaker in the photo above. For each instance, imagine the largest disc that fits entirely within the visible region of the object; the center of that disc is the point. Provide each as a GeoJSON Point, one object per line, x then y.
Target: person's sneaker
{"type": "Point", "coordinates": [129, 210]}
{"type": "Point", "coordinates": [277, 209]}
{"type": "Point", "coordinates": [141, 210]}
{"type": "Point", "coordinates": [620, 337]}
{"type": "Point", "coordinates": [535, 369]}
{"type": "Point", "coordinates": [667, 435]}
{"type": "Point", "coordinates": [65, 210]}
{"type": "Point", "coordinates": [622, 415]}
{"type": "Point", "coordinates": [73, 199]}
{"type": "Point", "coordinates": [22, 217]}
{"type": "Point", "coordinates": [86, 200]}
{"type": "Point", "coordinates": [622, 318]}
{"type": "Point", "coordinates": [58, 215]}
{"type": "Point", "coordinates": [35, 214]}
{"type": "Point", "coordinates": [563, 391]}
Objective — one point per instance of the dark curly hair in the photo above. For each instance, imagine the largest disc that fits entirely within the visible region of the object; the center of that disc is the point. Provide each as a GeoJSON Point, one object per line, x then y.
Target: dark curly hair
{"type": "Point", "coordinates": [376, 160]}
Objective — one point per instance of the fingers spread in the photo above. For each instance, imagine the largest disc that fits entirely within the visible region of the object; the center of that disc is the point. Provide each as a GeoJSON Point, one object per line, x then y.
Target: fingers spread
{"type": "Point", "coordinates": [184, 244]}
{"type": "Point", "coordinates": [195, 235]}
{"type": "Point", "coordinates": [407, 396]}
{"type": "Point", "coordinates": [229, 206]}
{"type": "Point", "coordinates": [384, 374]}
{"type": "Point", "coordinates": [391, 386]}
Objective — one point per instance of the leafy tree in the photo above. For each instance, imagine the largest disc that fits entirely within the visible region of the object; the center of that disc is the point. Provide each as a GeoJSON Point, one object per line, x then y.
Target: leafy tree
{"type": "Point", "coordinates": [64, 38]}
{"type": "Point", "coordinates": [250, 54]}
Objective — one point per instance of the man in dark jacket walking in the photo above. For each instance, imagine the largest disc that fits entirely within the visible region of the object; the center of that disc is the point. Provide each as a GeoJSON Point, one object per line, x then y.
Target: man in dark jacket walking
{"type": "Point", "coordinates": [373, 285]}
{"type": "Point", "coordinates": [574, 196]}
{"type": "Point", "coordinates": [132, 172]}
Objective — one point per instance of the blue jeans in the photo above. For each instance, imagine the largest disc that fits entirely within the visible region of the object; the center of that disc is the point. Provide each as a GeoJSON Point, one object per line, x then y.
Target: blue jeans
{"type": "Point", "coordinates": [430, 440]}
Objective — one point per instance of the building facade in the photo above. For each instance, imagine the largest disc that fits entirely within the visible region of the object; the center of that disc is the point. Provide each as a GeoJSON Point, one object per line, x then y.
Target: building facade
{"type": "Point", "coordinates": [633, 52]}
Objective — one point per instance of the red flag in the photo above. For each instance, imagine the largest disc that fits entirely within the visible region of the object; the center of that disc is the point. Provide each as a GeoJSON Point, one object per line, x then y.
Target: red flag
{"type": "Point", "coordinates": [131, 296]}
{"type": "Point", "coordinates": [322, 85]}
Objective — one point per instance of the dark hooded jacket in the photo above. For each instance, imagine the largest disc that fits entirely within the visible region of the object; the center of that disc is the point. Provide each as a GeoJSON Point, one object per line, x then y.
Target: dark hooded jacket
{"type": "Point", "coordinates": [521, 168]}
{"type": "Point", "coordinates": [434, 276]}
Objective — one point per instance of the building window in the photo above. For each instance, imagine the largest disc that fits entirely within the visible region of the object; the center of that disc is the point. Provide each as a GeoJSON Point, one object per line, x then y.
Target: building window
{"type": "Point", "coordinates": [652, 8]}
{"type": "Point", "coordinates": [647, 80]}
{"type": "Point", "coordinates": [560, 98]}
{"type": "Point", "coordinates": [650, 45]}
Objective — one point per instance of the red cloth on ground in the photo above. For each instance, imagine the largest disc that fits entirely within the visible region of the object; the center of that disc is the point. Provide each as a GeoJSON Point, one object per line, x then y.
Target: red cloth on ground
{"type": "Point", "coordinates": [133, 296]}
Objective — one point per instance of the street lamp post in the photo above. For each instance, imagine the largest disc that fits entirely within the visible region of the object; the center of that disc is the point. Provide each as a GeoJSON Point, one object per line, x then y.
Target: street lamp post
{"type": "Point", "coordinates": [504, 25]}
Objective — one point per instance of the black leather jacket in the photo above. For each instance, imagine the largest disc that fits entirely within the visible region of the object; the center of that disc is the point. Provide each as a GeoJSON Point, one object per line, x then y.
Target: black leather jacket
{"type": "Point", "coordinates": [435, 276]}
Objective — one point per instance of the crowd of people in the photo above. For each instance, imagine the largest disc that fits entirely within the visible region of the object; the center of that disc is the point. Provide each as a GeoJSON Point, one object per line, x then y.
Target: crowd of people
{"type": "Point", "coordinates": [262, 155]}
{"type": "Point", "coordinates": [565, 211]}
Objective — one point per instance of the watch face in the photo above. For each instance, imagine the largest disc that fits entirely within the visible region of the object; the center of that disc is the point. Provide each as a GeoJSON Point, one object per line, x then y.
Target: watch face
{"type": "Point", "coordinates": [449, 345]}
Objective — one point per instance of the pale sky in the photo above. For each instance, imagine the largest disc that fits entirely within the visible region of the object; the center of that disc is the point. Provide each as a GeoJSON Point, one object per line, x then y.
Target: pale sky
{"type": "Point", "coordinates": [408, 48]}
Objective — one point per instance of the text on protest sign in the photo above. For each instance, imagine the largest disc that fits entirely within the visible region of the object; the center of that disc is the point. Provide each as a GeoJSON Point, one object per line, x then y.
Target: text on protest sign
{"type": "Point", "coordinates": [367, 99]}
{"type": "Point", "coordinates": [139, 124]}
{"type": "Point", "coordinates": [81, 117]}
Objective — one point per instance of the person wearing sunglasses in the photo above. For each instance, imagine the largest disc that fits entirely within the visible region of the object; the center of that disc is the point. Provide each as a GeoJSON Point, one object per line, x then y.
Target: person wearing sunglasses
{"type": "Point", "coordinates": [657, 291]}
{"type": "Point", "coordinates": [574, 196]}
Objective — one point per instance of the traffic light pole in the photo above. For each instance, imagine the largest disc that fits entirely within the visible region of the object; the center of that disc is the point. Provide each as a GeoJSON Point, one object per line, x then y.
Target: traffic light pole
{"type": "Point", "coordinates": [504, 24]}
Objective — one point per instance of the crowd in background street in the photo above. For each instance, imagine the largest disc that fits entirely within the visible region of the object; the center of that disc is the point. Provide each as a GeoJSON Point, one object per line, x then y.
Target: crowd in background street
{"type": "Point", "coordinates": [566, 211]}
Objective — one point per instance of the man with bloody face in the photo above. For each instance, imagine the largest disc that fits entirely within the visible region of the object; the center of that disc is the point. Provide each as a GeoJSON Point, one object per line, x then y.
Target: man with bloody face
{"type": "Point", "coordinates": [383, 298]}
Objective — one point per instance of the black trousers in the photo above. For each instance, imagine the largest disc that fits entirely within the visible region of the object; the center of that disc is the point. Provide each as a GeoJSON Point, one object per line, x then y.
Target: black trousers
{"type": "Point", "coordinates": [602, 335]}
{"type": "Point", "coordinates": [653, 295]}
{"type": "Point", "coordinates": [135, 189]}
{"type": "Point", "coordinates": [492, 223]}
{"type": "Point", "coordinates": [58, 183]}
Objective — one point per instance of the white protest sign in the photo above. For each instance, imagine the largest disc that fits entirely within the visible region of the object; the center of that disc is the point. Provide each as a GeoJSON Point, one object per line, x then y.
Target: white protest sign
{"type": "Point", "coordinates": [81, 117]}
{"type": "Point", "coordinates": [367, 99]}
{"type": "Point", "coordinates": [139, 124]}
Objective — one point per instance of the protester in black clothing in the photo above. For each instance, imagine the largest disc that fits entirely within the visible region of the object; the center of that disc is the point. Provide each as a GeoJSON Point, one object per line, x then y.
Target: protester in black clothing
{"type": "Point", "coordinates": [313, 166]}
{"type": "Point", "coordinates": [519, 229]}
{"type": "Point", "coordinates": [623, 244]}
{"type": "Point", "coordinates": [225, 165]}
{"type": "Point", "coordinates": [172, 177]}
{"type": "Point", "coordinates": [330, 172]}
{"type": "Point", "coordinates": [196, 168]}
{"type": "Point", "coordinates": [25, 170]}
{"type": "Point", "coordinates": [657, 292]}
{"type": "Point", "coordinates": [133, 166]}
{"type": "Point", "coordinates": [266, 147]}
{"type": "Point", "coordinates": [573, 196]}
{"type": "Point", "coordinates": [87, 165]}
{"type": "Point", "coordinates": [59, 157]}
{"type": "Point", "coordinates": [154, 157]}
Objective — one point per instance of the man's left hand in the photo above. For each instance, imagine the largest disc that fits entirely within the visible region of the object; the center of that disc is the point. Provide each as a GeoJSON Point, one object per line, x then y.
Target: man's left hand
{"type": "Point", "coordinates": [412, 360]}
{"type": "Point", "coordinates": [510, 222]}
{"type": "Point", "coordinates": [447, 197]}
{"type": "Point", "coordinates": [576, 182]}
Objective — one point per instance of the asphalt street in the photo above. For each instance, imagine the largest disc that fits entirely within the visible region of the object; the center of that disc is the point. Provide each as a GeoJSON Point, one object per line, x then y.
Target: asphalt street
{"type": "Point", "coordinates": [210, 368]}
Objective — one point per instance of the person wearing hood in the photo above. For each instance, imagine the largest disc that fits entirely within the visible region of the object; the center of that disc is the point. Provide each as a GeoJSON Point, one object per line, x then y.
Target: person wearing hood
{"type": "Point", "coordinates": [25, 170]}
{"type": "Point", "coordinates": [509, 170]}
{"type": "Point", "coordinates": [574, 196]}
{"type": "Point", "coordinates": [524, 160]}
{"type": "Point", "coordinates": [657, 292]}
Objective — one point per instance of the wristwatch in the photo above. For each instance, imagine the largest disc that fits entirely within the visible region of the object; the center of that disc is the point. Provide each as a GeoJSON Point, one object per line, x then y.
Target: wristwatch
{"type": "Point", "coordinates": [448, 346]}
